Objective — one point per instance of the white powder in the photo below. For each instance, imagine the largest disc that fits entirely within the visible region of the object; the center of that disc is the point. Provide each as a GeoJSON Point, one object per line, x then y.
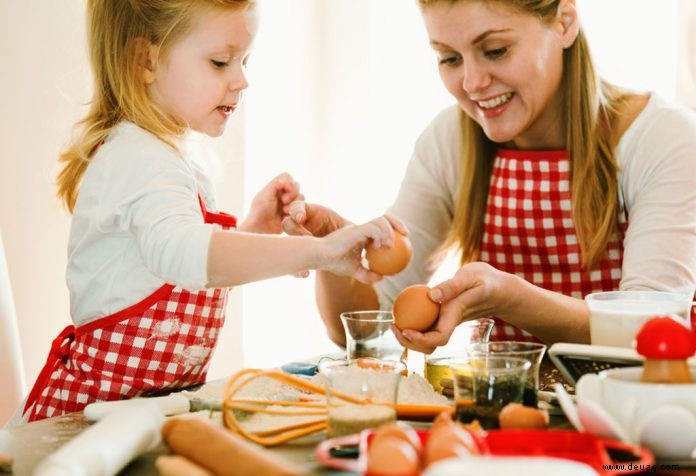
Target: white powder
{"type": "Point", "coordinates": [349, 419]}
{"type": "Point", "coordinates": [413, 390]}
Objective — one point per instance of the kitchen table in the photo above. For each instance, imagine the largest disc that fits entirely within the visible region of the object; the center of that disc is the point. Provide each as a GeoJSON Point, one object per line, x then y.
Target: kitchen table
{"type": "Point", "coordinates": [29, 443]}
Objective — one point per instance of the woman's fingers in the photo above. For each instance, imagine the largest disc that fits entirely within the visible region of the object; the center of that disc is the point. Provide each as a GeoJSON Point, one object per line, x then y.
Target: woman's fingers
{"type": "Point", "coordinates": [291, 227]}
{"type": "Point", "coordinates": [415, 340]}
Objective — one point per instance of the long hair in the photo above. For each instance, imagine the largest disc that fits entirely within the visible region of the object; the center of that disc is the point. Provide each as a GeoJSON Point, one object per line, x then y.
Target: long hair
{"type": "Point", "coordinates": [590, 107]}
{"type": "Point", "coordinates": [117, 31]}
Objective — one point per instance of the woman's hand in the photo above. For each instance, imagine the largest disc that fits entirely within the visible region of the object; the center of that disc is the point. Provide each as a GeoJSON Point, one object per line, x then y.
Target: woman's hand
{"type": "Point", "coordinates": [312, 219]}
{"type": "Point", "coordinates": [271, 205]}
{"type": "Point", "coordinates": [476, 290]}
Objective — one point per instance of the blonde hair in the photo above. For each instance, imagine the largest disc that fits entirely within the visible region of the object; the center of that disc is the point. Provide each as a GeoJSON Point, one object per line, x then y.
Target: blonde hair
{"type": "Point", "coordinates": [118, 31]}
{"type": "Point", "coordinates": [590, 107]}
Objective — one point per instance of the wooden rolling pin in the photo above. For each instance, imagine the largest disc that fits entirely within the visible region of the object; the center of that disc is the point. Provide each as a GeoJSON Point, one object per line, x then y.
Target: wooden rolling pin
{"type": "Point", "coordinates": [222, 452]}
{"type": "Point", "coordinates": [177, 465]}
{"type": "Point", "coordinates": [5, 463]}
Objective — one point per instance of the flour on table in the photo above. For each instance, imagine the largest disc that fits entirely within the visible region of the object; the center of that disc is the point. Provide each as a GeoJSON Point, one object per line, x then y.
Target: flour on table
{"type": "Point", "coordinates": [413, 390]}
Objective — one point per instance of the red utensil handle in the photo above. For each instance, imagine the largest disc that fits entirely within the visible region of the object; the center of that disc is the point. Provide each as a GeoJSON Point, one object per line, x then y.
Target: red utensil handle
{"type": "Point", "coordinates": [644, 455]}
{"type": "Point", "coordinates": [323, 455]}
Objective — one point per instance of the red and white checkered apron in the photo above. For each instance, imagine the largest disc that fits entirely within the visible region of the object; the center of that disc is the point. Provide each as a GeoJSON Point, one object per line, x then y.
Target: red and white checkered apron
{"type": "Point", "coordinates": [529, 230]}
{"type": "Point", "coordinates": [164, 342]}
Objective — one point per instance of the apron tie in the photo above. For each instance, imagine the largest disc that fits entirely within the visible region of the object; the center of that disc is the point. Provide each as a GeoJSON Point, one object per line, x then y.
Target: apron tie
{"type": "Point", "coordinates": [59, 353]}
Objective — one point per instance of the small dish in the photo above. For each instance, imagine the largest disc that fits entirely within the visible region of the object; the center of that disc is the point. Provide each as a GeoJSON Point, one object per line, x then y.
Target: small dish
{"type": "Point", "coordinates": [615, 402]}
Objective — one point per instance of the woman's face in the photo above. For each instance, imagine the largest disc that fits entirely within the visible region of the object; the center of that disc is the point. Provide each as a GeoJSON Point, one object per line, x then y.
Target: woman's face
{"type": "Point", "coordinates": [503, 67]}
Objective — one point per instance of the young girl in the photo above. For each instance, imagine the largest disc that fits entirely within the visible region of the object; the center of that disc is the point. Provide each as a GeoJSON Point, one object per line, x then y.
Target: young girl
{"type": "Point", "coordinates": [150, 258]}
{"type": "Point", "coordinates": [551, 182]}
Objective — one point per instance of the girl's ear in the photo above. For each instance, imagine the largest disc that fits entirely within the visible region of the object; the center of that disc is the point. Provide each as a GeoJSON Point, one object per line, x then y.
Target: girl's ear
{"type": "Point", "coordinates": [568, 22]}
{"type": "Point", "coordinates": [146, 60]}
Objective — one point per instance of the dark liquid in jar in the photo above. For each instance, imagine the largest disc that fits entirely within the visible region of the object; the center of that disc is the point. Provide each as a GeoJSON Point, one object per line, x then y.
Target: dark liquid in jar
{"type": "Point", "coordinates": [490, 396]}
{"type": "Point", "coordinates": [467, 411]}
{"type": "Point", "coordinates": [529, 396]}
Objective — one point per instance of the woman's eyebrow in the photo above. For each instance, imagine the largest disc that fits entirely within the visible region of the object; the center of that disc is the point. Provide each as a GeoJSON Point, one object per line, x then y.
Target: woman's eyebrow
{"type": "Point", "coordinates": [486, 33]}
{"type": "Point", "coordinates": [476, 40]}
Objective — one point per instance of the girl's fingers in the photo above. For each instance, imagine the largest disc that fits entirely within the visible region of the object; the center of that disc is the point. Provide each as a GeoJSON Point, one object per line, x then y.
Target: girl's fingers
{"type": "Point", "coordinates": [366, 276]}
{"type": "Point", "coordinates": [396, 224]}
{"type": "Point", "coordinates": [379, 231]}
{"type": "Point", "coordinates": [297, 210]}
{"type": "Point", "coordinates": [290, 197]}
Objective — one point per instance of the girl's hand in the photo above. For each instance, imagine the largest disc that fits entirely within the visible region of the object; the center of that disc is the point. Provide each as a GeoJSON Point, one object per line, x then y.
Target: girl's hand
{"type": "Point", "coordinates": [476, 290]}
{"type": "Point", "coordinates": [342, 249]}
{"type": "Point", "coordinates": [271, 205]}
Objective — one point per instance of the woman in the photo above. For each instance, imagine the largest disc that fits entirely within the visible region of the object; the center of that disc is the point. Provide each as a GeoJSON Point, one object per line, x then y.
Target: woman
{"type": "Point", "coordinates": [550, 182]}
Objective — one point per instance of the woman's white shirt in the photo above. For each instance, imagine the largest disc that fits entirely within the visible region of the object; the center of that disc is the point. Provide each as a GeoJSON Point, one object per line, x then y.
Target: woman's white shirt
{"type": "Point", "coordinates": [657, 178]}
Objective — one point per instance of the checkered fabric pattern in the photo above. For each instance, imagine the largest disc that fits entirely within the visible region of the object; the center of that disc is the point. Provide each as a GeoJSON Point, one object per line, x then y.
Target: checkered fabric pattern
{"type": "Point", "coordinates": [529, 230]}
{"type": "Point", "coordinates": [166, 347]}
{"type": "Point", "coordinates": [162, 343]}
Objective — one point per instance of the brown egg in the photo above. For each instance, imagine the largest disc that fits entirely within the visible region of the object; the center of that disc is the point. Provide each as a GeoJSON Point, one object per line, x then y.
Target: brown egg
{"type": "Point", "coordinates": [392, 455]}
{"type": "Point", "coordinates": [448, 440]}
{"type": "Point", "coordinates": [389, 261]}
{"type": "Point", "coordinates": [400, 431]}
{"type": "Point", "coordinates": [514, 415]}
{"type": "Point", "coordinates": [413, 309]}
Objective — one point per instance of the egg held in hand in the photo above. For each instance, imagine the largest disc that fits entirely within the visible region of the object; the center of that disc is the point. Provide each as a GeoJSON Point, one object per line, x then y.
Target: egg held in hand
{"type": "Point", "coordinates": [388, 261]}
{"type": "Point", "coordinates": [413, 309]}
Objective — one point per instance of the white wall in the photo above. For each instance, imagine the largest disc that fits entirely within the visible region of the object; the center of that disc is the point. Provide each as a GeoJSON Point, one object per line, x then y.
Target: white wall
{"type": "Point", "coordinates": [43, 83]}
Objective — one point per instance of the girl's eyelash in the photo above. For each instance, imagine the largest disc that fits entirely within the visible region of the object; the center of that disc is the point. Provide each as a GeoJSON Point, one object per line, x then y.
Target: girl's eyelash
{"type": "Point", "coordinates": [219, 64]}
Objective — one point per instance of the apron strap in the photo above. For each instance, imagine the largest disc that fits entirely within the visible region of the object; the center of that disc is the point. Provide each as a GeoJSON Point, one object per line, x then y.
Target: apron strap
{"type": "Point", "coordinates": [60, 351]}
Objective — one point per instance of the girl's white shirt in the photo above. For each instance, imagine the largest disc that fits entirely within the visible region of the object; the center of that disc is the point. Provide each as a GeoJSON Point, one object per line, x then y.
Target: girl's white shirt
{"type": "Point", "coordinates": [137, 223]}
{"type": "Point", "coordinates": [657, 178]}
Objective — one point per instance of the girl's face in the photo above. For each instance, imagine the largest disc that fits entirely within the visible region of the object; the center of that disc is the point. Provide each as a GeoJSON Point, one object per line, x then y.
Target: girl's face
{"type": "Point", "coordinates": [504, 68]}
{"type": "Point", "coordinates": [200, 79]}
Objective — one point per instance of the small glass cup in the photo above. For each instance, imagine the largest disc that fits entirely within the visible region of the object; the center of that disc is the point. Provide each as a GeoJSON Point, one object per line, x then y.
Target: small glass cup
{"type": "Point", "coordinates": [368, 334]}
{"type": "Point", "coordinates": [437, 365]}
{"type": "Point", "coordinates": [360, 394]}
{"type": "Point", "coordinates": [531, 351]}
{"type": "Point", "coordinates": [484, 384]}
{"type": "Point", "coordinates": [617, 316]}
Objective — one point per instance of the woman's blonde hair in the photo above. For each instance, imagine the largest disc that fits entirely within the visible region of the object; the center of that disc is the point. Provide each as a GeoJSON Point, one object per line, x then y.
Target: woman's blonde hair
{"type": "Point", "coordinates": [118, 32]}
{"type": "Point", "coordinates": [590, 107]}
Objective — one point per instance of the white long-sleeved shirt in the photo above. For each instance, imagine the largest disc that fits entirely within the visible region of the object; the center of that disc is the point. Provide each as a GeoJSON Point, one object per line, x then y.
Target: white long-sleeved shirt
{"type": "Point", "coordinates": [137, 223]}
{"type": "Point", "coordinates": [657, 181]}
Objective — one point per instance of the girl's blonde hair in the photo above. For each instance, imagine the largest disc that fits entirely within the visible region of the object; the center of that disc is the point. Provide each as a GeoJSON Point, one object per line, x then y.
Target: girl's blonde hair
{"type": "Point", "coordinates": [590, 107]}
{"type": "Point", "coordinates": [118, 33]}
